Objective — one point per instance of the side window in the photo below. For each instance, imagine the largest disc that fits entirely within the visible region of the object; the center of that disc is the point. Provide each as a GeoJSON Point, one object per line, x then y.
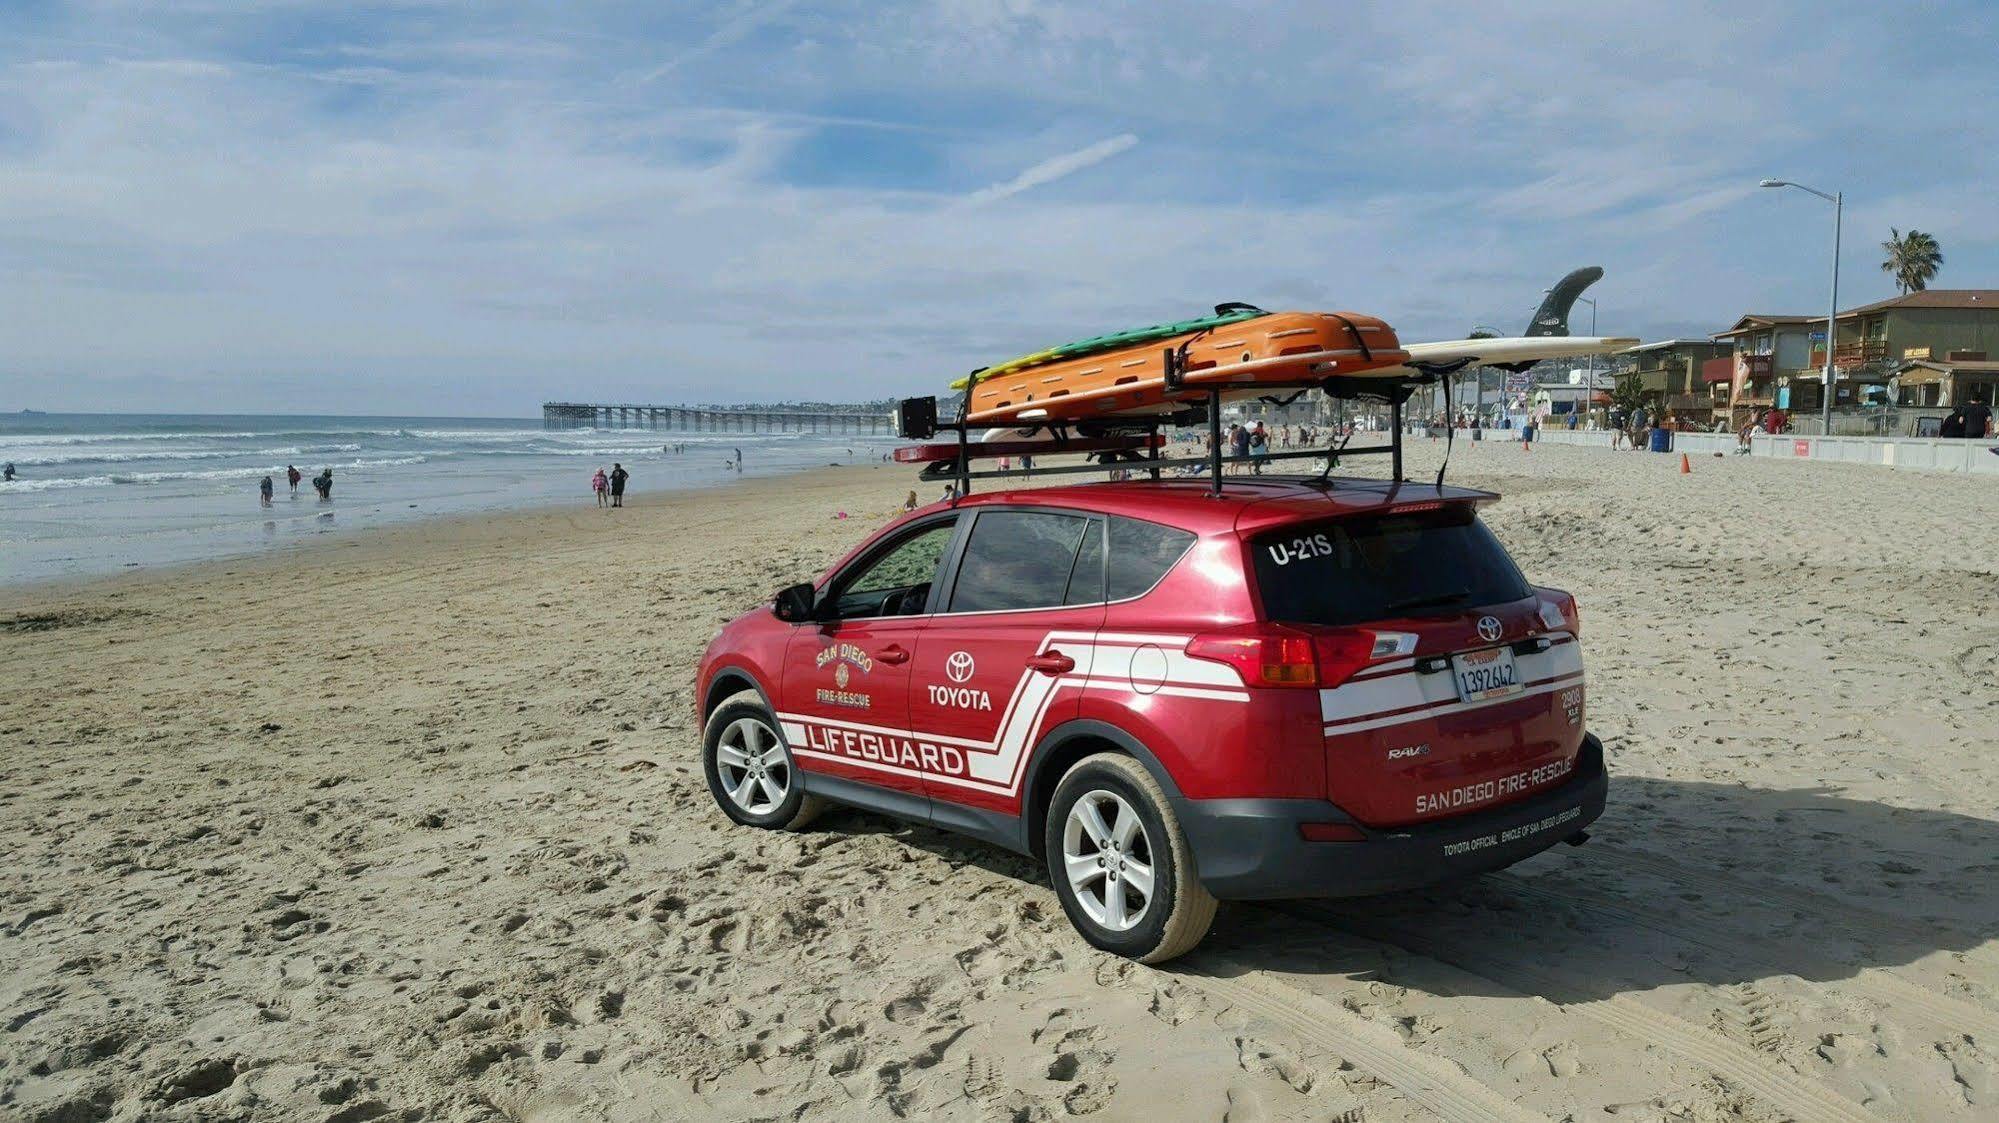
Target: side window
{"type": "Point", "coordinates": [1140, 554]}
{"type": "Point", "coordinates": [895, 583]}
{"type": "Point", "coordinates": [1017, 559]}
{"type": "Point", "coordinates": [1086, 577]}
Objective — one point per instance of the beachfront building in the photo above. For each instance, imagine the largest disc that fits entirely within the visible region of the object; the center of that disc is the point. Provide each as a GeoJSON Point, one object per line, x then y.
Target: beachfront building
{"type": "Point", "coordinates": [1937, 346]}
{"type": "Point", "coordinates": [1936, 385]}
{"type": "Point", "coordinates": [1672, 377]}
{"type": "Point", "coordinates": [1923, 352]}
{"type": "Point", "coordinates": [1762, 349]}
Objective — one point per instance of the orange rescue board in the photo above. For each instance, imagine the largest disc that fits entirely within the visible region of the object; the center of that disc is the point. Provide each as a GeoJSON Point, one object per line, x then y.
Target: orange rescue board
{"type": "Point", "coordinates": [1283, 347]}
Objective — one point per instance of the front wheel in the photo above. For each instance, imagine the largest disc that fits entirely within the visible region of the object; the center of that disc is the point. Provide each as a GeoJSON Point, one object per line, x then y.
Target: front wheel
{"type": "Point", "coordinates": [1121, 864]}
{"type": "Point", "coordinates": [750, 771]}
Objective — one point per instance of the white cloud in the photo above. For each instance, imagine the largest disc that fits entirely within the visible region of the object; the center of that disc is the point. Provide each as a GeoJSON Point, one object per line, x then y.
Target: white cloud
{"type": "Point", "coordinates": [468, 211]}
{"type": "Point", "coordinates": [748, 20]}
{"type": "Point", "coordinates": [1052, 169]}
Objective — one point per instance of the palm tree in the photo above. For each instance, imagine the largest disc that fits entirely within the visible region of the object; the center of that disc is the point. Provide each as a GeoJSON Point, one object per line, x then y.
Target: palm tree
{"type": "Point", "coordinates": [1913, 259]}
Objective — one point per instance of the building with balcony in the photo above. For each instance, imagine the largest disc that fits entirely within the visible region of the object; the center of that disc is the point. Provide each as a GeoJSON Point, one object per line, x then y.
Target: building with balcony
{"type": "Point", "coordinates": [1920, 349]}
{"type": "Point", "coordinates": [1765, 353]}
{"type": "Point", "coordinates": [1932, 348]}
{"type": "Point", "coordinates": [1672, 377]}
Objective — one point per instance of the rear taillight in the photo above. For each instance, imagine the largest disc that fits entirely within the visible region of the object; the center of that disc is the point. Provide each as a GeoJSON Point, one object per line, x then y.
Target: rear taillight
{"type": "Point", "coordinates": [1346, 653]}
{"type": "Point", "coordinates": [1267, 656]}
{"type": "Point", "coordinates": [1272, 655]}
{"type": "Point", "coordinates": [1559, 613]}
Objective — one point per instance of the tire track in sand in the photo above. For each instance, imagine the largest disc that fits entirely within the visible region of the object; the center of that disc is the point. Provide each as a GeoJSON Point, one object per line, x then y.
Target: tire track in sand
{"type": "Point", "coordinates": [1835, 913]}
{"type": "Point", "coordinates": [1433, 1082]}
{"type": "Point", "coordinates": [1775, 1085]}
{"type": "Point", "coordinates": [1947, 1013]}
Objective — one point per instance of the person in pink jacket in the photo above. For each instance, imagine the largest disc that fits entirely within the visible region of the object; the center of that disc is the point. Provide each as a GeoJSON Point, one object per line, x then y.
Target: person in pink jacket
{"type": "Point", "coordinates": [601, 484]}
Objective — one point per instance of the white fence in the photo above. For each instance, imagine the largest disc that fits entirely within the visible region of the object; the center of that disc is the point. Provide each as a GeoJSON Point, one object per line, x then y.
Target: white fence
{"type": "Point", "coordinates": [1919, 453]}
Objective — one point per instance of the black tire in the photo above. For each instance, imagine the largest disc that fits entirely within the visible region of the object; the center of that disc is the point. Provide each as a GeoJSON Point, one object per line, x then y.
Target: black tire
{"type": "Point", "coordinates": [732, 721]}
{"type": "Point", "coordinates": [1178, 909]}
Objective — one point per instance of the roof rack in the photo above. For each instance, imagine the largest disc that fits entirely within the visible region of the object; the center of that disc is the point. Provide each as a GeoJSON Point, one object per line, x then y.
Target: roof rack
{"type": "Point", "coordinates": [916, 419]}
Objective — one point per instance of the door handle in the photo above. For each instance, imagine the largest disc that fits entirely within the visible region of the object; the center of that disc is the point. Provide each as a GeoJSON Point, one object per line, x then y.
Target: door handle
{"type": "Point", "coordinates": [1051, 663]}
{"type": "Point", "coordinates": [892, 654]}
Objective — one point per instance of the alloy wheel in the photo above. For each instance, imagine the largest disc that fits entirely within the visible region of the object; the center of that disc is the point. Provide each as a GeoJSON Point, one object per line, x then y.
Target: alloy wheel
{"type": "Point", "coordinates": [1107, 856]}
{"type": "Point", "coordinates": [754, 768]}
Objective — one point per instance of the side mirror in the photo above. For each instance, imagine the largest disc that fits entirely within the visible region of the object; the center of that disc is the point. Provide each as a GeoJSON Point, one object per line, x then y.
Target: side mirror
{"type": "Point", "coordinates": [794, 605]}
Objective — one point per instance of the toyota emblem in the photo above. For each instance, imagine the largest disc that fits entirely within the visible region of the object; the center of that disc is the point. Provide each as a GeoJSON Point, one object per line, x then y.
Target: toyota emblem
{"type": "Point", "coordinates": [1489, 628]}
{"type": "Point", "coordinates": [959, 666]}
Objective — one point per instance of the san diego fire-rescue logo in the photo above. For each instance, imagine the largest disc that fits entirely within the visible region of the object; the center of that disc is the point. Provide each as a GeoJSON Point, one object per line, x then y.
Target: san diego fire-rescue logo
{"type": "Point", "coordinates": [846, 658]}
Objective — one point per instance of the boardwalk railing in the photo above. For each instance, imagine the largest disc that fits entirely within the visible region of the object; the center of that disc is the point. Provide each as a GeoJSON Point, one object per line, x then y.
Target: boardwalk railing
{"type": "Point", "coordinates": [742, 419]}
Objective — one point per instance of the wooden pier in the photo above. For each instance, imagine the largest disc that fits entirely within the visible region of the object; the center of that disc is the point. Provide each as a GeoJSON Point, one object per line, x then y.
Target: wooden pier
{"type": "Point", "coordinates": [714, 419]}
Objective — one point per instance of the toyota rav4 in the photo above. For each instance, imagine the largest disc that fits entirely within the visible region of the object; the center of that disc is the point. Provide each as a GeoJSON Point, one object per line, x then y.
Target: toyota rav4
{"type": "Point", "coordinates": [1297, 688]}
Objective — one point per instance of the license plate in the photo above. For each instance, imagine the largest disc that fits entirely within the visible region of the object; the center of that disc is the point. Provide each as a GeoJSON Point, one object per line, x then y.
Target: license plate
{"type": "Point", "coordinates": [1485, 674]}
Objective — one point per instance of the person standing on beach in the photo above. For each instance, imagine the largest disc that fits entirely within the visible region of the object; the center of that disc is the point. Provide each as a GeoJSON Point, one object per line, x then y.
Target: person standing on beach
{"type": "Point", "coordinates": [1259, 446]}
{"type": "Point", "coordinates": [264, 490]}
{"type": "Point", "coordinates": [739, 460]}
{"type": "Point", "coordinates": [1977, 418]}
{"type": "Point", "coordinates": [618, 478]}
{"type": "Point", "coordinates": [601, 484]}
{"type": "Point", "coordinates": [293, 476]}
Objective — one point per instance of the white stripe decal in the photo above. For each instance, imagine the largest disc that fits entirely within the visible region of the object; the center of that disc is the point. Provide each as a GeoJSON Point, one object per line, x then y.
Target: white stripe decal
{"type": "Point", "coordinates": [1382, 694]}
{"type": "Point", "coordinates": [1341, 729]}
{"type": "Point", "coordinates": [1103, 662]}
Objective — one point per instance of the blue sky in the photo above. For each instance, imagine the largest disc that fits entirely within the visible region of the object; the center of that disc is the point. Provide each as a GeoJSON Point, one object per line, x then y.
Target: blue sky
{"type": "Point", "coordinates": [445, 208]}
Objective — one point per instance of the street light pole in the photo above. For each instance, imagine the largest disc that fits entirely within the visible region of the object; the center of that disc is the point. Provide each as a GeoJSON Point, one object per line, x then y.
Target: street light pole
{"type": "Point", "coordinates": [1589, 391]}
{"type": "Point", "coordinates": [1838, 201]}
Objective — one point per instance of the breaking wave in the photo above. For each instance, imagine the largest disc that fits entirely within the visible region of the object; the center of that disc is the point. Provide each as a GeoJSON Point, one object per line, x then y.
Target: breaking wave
{"type": "Point", "coordinates": [213, 474]}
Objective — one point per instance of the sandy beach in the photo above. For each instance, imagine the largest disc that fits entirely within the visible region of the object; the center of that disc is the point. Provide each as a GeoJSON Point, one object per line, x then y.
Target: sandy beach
{"type": "Point", "coordinates": [410, 825]}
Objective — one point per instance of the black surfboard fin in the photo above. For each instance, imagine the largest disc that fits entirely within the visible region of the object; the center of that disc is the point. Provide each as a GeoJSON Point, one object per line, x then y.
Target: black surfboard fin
{"type": "Point", "coordinates": [1552, 317]}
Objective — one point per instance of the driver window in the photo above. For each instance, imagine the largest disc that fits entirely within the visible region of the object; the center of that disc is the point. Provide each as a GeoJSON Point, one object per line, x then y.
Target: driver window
{"type": "Point", "coordinates": [897, 581]}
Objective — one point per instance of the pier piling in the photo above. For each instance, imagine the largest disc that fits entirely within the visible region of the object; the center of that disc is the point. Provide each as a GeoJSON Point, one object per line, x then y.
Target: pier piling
{"type": "Point", "coordinates": [713, 419]}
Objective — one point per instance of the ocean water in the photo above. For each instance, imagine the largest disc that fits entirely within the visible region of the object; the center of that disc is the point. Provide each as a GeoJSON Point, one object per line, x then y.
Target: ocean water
{"type": "Point", "coordinates": [111, 493]}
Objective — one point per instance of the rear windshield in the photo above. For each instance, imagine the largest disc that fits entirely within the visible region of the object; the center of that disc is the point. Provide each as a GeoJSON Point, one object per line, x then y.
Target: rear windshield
{"type": "Point", "coordinates": [1355, 570]}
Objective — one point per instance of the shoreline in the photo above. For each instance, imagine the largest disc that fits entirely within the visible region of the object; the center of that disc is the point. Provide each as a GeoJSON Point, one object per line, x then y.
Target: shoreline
{"type": "Point", "coordinates": [497, 522]}
{"type": "Point", "coordinates": [106, 495]}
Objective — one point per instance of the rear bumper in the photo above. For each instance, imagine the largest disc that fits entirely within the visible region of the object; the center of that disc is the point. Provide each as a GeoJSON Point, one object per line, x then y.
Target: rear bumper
{"type": "Point", "coordinates": [1250, 849]}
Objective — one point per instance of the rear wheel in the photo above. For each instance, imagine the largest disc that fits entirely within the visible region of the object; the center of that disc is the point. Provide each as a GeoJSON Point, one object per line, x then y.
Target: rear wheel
{"type": "Point", "coordinates": [1121, 864]}
{"type": "Point", "coordinates": [749, 767]}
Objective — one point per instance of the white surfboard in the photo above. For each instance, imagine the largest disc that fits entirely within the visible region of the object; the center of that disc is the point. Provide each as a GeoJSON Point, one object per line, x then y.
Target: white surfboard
{"type": "Point", "coordinates": [1512, 349]}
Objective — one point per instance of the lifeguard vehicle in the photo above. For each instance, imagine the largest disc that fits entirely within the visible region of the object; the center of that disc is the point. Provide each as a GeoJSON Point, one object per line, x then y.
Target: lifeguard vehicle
{"type": "Point", "coordinates": [1175, 691]}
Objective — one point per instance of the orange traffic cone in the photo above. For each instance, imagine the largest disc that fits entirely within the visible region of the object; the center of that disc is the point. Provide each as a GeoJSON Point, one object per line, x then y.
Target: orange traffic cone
{"type": "Point", "coordinates": [1686, 467]}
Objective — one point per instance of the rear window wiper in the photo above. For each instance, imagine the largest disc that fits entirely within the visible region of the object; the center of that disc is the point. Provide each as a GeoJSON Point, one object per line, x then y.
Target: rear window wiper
{"type": "Point", "coordinates": [1438, 600]}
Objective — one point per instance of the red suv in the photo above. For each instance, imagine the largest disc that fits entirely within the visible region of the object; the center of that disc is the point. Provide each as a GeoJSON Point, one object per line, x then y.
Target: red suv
{"type": "Point", "coordinates": [1297, 688]}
